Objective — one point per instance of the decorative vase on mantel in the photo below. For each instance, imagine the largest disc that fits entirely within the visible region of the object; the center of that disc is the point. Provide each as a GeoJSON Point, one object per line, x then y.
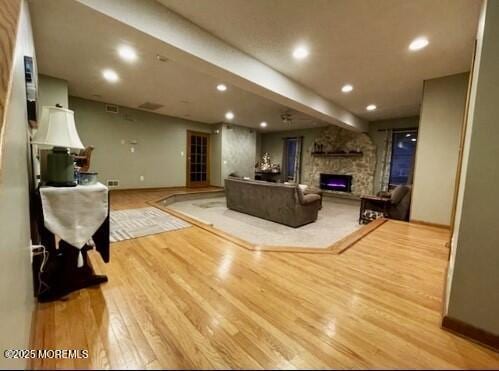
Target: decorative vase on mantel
{"type": "Point", "coordinates": [318, 148]}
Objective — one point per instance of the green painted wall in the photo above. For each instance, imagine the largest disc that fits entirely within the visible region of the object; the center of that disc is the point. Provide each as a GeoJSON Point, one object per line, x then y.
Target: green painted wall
{"type": "Point", "coordinates": [159, 153]}
{"type": "Point", "coordinates": [52, 91]}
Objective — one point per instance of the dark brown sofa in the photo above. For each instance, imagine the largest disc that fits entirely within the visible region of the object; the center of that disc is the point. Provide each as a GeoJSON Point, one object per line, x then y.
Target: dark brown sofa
{"type": "Point", "coordinates": [285, 204]}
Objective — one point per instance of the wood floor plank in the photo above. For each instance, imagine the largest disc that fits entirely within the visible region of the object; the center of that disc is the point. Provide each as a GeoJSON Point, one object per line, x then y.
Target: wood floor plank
{"type": "Point", "coordinates": [192, 299]}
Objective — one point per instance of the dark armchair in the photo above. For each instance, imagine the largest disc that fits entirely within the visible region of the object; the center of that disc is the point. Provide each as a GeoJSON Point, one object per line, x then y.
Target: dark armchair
{"type": "Point", "coordinates": [393, 205]}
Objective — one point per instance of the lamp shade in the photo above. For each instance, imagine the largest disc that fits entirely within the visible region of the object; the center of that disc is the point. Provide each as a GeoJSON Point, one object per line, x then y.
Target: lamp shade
{"type": "Point", "coordinates": [57, 129]}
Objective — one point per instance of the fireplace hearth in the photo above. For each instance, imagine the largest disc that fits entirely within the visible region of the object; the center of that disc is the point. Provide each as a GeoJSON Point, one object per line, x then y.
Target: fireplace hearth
{"type": "Point", "coordinates": [336, 182]}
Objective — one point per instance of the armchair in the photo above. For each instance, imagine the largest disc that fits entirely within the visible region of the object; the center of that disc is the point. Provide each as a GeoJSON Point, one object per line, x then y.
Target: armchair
{"type": "Point", "coordinates": [394, 205]}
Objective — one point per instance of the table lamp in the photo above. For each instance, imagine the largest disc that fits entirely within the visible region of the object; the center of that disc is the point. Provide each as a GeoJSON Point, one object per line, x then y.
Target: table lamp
{"type": "Point", "coordinates": [57, 131]}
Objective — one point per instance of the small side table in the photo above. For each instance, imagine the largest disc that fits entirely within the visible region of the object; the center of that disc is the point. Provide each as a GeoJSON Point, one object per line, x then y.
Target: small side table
{"type": "Point", "coordinates": [375, 203]}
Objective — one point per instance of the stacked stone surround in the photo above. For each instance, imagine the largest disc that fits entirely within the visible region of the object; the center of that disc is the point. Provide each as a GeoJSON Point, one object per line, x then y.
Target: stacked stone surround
{"type": "Point", "coordinates": [337, 139]}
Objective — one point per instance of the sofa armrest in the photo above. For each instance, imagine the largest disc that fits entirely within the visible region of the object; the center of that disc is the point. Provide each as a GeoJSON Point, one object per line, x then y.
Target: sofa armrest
{"type": "Point", "coordinates": [310, 198]}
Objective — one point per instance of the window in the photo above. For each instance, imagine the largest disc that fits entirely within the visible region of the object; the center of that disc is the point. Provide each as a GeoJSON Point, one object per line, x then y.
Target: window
{"type": "Point", "coordinates": [291, 159]}
{"type": "Point", "coordinates": [402, 162]}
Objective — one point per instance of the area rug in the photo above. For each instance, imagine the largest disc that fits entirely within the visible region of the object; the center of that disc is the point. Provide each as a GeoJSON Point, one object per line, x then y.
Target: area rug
{"type": "Point", "coordinates": [337, 219]}
{"type": "Point", "coordinates": [133, 223]}
{"type": "Point", "coordinates": [210, 204]}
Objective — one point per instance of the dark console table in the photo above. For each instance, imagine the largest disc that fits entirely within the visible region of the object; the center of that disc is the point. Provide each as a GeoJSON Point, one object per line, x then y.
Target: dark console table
{"type": "Point", "coordinates": [268, 176]}
{"type": "Point", "coordinates": [61, 274]}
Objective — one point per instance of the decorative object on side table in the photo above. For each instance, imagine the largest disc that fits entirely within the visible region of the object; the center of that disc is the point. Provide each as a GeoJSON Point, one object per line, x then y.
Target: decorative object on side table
{"type": "Point", "coordinates": [87, 178]}
{"type": "Point", "coordinates": [82, 160]}
{"type": "Point", "coordinates": [266, 170]}
{"type": "Point", "coordinates": [265, 165]}
{"type": "Point", "coordinates": [57, 131]}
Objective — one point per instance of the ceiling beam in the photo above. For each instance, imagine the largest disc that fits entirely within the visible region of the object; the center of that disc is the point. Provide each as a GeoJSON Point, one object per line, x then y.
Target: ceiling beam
{"type": "Point", "coordinates": [193, 46]}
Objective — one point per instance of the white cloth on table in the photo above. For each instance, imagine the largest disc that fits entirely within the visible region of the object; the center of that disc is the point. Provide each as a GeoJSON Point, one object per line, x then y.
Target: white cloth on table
{"type": "Point", "coordinates": [74, 213]}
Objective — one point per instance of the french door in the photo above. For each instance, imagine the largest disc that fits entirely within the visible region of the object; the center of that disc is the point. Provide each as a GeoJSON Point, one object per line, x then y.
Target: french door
{"type": "Point", "coordinates": [198, 159]}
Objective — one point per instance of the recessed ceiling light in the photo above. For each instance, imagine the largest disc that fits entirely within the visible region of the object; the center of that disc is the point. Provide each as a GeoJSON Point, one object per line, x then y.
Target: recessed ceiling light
{"type": "Point", "coordinates": [127, 53]}
{"type": "Point", "coordinates": [229, 115]}
{"type": "Point", "coordinates": [347, 88]}
{"type": "Point", "coordinates": [408, 135]}
{"type": "Point", "coordinates": [300, 52]}
{"type": "Point", "coordinates": [418, 44]}
{"type": "Point", "coordinates": [263, 124]}
{"type": "Point", "coordinates": [413, 139]}
{"type": "Point", "coordinates": [371, 107]}
{"type": "Point", "coordinates": [221, 87]}
{"type": "Point", "coordinates": [110, 75]}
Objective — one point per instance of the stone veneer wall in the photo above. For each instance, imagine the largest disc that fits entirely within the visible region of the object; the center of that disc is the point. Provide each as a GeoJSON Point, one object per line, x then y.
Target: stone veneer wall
{"type": "Point", "coordinates": [336, 139]}
{"type": "Point", "coordinates": [238, 151]}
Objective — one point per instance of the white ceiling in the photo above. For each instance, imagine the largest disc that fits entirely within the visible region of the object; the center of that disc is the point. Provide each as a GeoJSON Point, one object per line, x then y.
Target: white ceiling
{"type": "Point", "coordinates": [362, 42]}
{"type": "Point", "coordinates": [75, 43]}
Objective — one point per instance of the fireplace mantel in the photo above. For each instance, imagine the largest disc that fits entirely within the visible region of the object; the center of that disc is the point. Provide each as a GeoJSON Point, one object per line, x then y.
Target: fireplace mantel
{"type": "Point", "coordinates": [337, 154]}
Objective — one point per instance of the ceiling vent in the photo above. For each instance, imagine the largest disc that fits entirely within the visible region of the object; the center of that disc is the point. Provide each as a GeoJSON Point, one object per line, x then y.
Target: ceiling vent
{"type": "Point", "coordinates": [150, 106]}
{"type": "Point", "coordinates": [111, 108]}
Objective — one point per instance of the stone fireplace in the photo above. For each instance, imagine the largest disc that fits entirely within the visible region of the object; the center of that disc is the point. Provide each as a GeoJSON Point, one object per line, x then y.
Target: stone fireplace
{"type": "Point", "coordinates": [342, 152]}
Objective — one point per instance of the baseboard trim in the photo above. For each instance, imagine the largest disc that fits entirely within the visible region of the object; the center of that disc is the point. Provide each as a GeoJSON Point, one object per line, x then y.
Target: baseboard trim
{"type": "Point", "coordinates": [471, 332]}
{"type": "Point", "coordinates": [429, 224]}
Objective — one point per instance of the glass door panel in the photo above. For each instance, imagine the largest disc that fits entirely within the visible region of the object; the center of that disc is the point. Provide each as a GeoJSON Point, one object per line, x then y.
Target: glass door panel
{"type": "Point", "coordinates": [198, 145]}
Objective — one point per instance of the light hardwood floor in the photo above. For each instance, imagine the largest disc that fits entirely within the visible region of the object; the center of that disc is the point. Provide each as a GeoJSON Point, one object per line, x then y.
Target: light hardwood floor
{"type": "Point", "coordinates": [189, 299]}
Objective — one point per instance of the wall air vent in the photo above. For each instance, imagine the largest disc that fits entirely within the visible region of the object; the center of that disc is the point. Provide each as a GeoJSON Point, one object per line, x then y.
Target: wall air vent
{"type": "Point", "coordinates": [111, 108]}
{"type": "Point", "coordinates": [150, 106]}
{"type": "Point", "coordinates": [113, 183]}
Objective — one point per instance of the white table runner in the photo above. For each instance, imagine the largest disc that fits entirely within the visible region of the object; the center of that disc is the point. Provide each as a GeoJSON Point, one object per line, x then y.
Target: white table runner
{"type": "Point", "coordinates": [74, 213]}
